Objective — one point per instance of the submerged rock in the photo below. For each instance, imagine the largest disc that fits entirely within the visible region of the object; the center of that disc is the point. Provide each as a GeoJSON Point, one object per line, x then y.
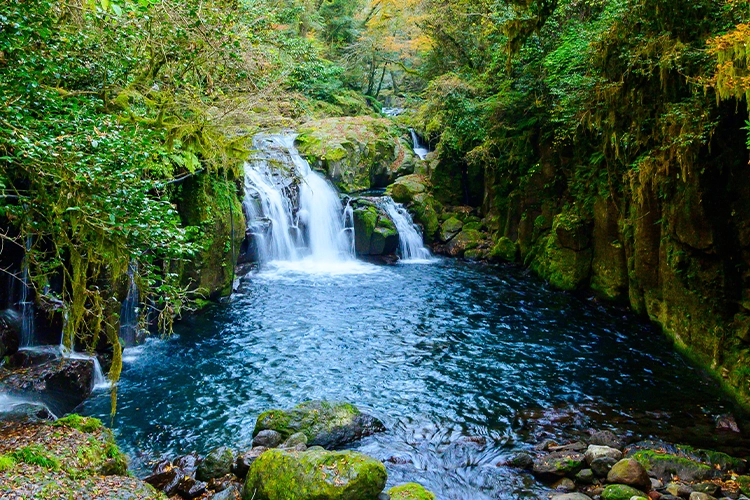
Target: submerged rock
{"type": "Point", "coordinates": [326, 424]}
{"type": "Point", "coordinates": [559, 463]}
{"type": "Point", "coordinates": [410, 491]}
{"type": "Point", "coordinates": [314, 474]}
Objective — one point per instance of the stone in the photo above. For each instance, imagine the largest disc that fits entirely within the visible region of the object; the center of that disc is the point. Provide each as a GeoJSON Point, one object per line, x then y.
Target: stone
{"type": "Point", "coordinates": [165, 477]}
{"type": "Point", "coordinates": [365, 221]}
{"type": "Point", "coordinates": [620, 492]}
{"type": "Point", "coordinates": [449, 229]}
{"type": "Point", "coordinates": [656, 484]}
{"type": "Point", "coordinates": [222, 483]}
{"type": "Point", "coordinates": [504, 250]}
{"type": "Point", "coordinates": [571, 496]}
{"type": "Point", "coordinates": [228, 494]}
{"type": "Point", "coordinates": [245, 460]}
{"type": "Point", "coordinates": [268, 439]}
{"type": "Point", "coordinates": [189, 488]}
{"type": "Point", "coordinates": [295, 440]}
{"type": "Point", "coordinates": [188, 463]}
{"type": "Point", "coordinates": [564, 484]}
{"type": "Point", "coordinates": [630, 472]}
{"type": "Point", "coordinates": [326, 424]}
{"type": "Point", "coordinates": [467, 239]}
{"type": "Point", "coordinates": [405, 189]}
{"type": "Point", "coordinates": [666, 465]}
{"type": "Point", "coordinates": [559, 463]}
{"type": "Point", "coordinates": [9, 338]}
{"type": "Point", "coordinates": [410, 491]}
{"type": "Point", "coordinates": [521, 461]}
{"type": "Point", "coordinates": [602, 466]}
{"type": "Point", "coordinates": [217, 463]}
{"type": "Point", "coordinates": [310, 475]}
{"type": "Point", "coordinates": [605, 438]}
{"type": "Point", "coordinates": [696, 495]}
{"type": "Point", "coordinates": [707, 488]}
{"type": "Point", "coordinates": [596, 451]}
{"type": "Point", "coordinates": [586, 476]}
{"type": "Point", "coordinates": [577, 446]}
{"type": "Point", "coordinates": [678, 489]}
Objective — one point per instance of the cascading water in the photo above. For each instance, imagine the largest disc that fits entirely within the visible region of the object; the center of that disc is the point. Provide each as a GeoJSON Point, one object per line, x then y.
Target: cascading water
{"type": "Point", "coordinates": [410, 244]}
{"type": "Point", "coordinates": [419, 149]}
{"type": "Point", "coordinates": [129, 309]}
{"type": "Point", "coordinates": [26, 304]}
{"type": "Point", "coordinates": [294, 214]}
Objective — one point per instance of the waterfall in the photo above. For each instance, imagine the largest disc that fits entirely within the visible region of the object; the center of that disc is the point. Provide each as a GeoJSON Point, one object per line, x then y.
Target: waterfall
{"type": "Point", "coordinates": [26, 304]}
{"type": "Point", "coordinates": [419, 149]}
{"type": "Point", "coordinates": [129, 309]}
{"type": "Point", "coordinates": [294, 214]}
{"type": "Point", "coordinates": [100, 381]}
{"type": "Point", "coordinates": [410, 243]}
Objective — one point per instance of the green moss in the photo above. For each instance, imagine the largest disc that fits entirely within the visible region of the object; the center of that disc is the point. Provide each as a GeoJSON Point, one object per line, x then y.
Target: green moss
{"type": "Point", "coordinates": [505, 250]}
{"type": "Point", "coordinates": [620, 492]}
{"type": "Point", "coordinates": [744, 483]}
{"type": "Point", "coordinates": [664, 463]}
{"type": "Point", "coordinates": [410, 491]}
{"type": "Point", "coordinates": [36, 455]}
{"type": "Point", "coordinates": [7, 462]}
{"type": "Point", "coordinates": [84, 424]}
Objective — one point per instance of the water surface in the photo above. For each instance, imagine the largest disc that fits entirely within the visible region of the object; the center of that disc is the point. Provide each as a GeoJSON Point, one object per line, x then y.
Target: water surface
{"type": "Point", "coordinates": [457, 359]}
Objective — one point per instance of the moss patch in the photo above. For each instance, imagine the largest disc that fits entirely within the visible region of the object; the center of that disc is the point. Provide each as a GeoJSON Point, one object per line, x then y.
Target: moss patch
{"type": "Point", "coordinates": [410, 491]}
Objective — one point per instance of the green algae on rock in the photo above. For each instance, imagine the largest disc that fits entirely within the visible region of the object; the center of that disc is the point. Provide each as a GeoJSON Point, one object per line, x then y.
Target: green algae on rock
{"type": "Point", "coordinates": [314, 474]}
{"type": "Point", "coordinates": [410, 491]}
{"type": "Point", "coordinates": [326, 424]}
{"type": "Point", "coordinates": [620, 492]}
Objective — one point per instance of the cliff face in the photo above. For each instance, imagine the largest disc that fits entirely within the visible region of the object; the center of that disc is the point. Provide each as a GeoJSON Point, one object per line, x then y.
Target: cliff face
{"type": "Point", "coordinates": [673, 243]}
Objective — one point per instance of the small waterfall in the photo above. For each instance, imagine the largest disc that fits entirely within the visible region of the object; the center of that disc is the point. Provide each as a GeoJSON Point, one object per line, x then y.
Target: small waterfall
{"type": "Point", "coordinates": [129, 309]}
{"type": "Point", "coordinates": [26, 304]}
{"type": "Point", "coordinates": [420, 149]}
{"type": "Point", "coordinates": [100, 381]}
{"type": "Point", "coordinates": [294, 213]}
{"type": "Point", "coordinates": [410, 243]}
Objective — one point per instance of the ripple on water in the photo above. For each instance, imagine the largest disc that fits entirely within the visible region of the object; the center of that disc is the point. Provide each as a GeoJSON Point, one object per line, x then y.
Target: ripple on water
{"type": "Point", "coordinates": [460, 361]}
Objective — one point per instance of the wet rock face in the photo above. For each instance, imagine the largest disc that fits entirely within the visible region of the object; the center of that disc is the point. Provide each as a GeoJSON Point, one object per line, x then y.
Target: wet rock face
{"type": "Point", "coordinates": [374, 233]}
{"type": "Point", "coordinates": [64, 383]}
{"type": "Point", "coordinates": [326, 424]}
{"type": "Point", "coordinates": [9, 338]}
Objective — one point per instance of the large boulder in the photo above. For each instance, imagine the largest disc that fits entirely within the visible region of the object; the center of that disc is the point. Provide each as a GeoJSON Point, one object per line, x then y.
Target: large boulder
{"type": "Point", "coordinates": [357, 153]}
{"type": "Point", "coordinates": [621, 492]}
{"type": "Point", "coordinates": [406, 188]}
{"type": "Point", "coordinates": [314, 474]}
{"type": "Point", "coordinates": [326, 424]}
{"type": "Point", "coordinates": [62, 383]}
{"type": "Point", "coordinates": [217, 463]}
{"type": "Point", "coordinates": [9, 338]}
{"type": "Point", "coordinates": [467, 239]}
{"type": "Point", "coordinates": [630, 472]}
{"type": "Point", "coordinates": [374, 233]}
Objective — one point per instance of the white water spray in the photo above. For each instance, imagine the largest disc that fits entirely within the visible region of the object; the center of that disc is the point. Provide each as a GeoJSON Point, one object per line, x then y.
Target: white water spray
{"type": "Point", "coordinates": [419, 149]}
{"type": "Point", "coordinates": [411, 246]}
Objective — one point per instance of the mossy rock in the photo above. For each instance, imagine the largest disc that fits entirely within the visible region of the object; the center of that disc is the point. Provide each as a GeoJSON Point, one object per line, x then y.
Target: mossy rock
{"type": "Point", "coordinates": [406, 188]}
{"type": "Point", "coordinates": [365, 221]}
{"type": "Point", "coordinates": [665, 465]}
{"type": "Point", "coordinates": [450, 228]}
{"type": "Point", "coordinates": [326, 424]}
{"type": "Point", "coordinates": [314, 474]}
{"type": "Point", "coordinates": [410, 491]}
{"type": "Point", "coordinates": [504, 250]}
{"type": "Point", "coordinates": [744, 484]}
{"type": "Point", "coordinates": [467, 239]}
{"type": "Point", "coordinates": [357, 153]}
{"type": "Point", "coordinates": [620, 492]}
{"type": "Point", "coordinates": [425, 209]}
{"type": "Point", "coordinates": [560, 257]}
{"type": "Point", "coordinates": [476, 254]}
{"type": "Point", "coordinates": [217, 463]}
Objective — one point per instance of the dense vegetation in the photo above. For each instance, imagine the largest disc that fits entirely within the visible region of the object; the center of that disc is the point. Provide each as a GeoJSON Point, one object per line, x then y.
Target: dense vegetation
{"type": "Point", "coordinates": [108, 107]}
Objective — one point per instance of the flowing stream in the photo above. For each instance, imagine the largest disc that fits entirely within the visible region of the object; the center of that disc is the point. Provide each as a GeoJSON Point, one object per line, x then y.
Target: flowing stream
{"type": "Point", "coordinates": [411, 247]}
{"type": "Point", "coordinates": [459, 360]}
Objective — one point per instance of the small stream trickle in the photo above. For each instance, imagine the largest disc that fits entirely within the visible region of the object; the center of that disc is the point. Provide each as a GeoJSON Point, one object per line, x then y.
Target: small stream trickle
{"type": "Point", "coordinates": [411, 243]}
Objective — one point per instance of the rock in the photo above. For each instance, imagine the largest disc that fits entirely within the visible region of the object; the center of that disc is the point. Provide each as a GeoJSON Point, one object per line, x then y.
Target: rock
{"type": "Point", "coordinates": [410, 491]}
{"type": "Point", "coordinates": [228, 494]}
{"type": "Point", "coordinates": [9, 338]}
{"type": "Point", "coordinates": [245, 460]}
{"type": "Point", "coordinates": [222, 483]}
{"type": "Point", "coordinates": [564, 257]}
{"type": "Point", "coordinates": [596, 451]}
{"type": "Point", "coordinates": [571, 496]}
{"type": "Point", "coordinates": [268, 439]}
{"type": "Point", "coordinates": [504, 250]}
{"type": "Point", "coordinates": [679, 489]}
{"type": "Point", "coordinates": [449, 229]}
{"type": "Point", "coordinates": [333, 475]}
{"type": "Point", "coordinates": [656, 484]}
{"type": "Point", "coordinates": [405, 189]}
{"type": "Point", "coordinates": [564, 484]}
{"type": "Point", "coordinates": [620, 492]}
{"type": "Point", "coordinates": [62, 383]}
{"type": "Point", "coordinates": [602, 466]}
{"type": "Point", "coordinates": [666, 465]}
{"type": "Point", "coordinates": [707, 488]}
{"type": "Point", "coordinates": [545, 445]}
{"type": "Point", "coordinates": [189, 488]}
{"type": "Point", "coordinates": [696, 495]}
{"type": "Point", "coordinates": [605, 438]}
{"type": "Point", "coordinates": [577, 446]}
{"type": "Point", "coordinates": [467, 239]}
{"type": "Point", "coordinates": [521, 461]}
{"type": "Point", "coordinates": [630, 472]}
{"type": "Point", "coordinates": [559, 463]}
{"type": "Point", "coordinates": [165, 477]}
{"type": "Point", "coordinates": [727, 422]}
{"type": "Point", "coordinates": [326, 424]}
{"type": "Point", "coordinates": [586, 476]}
{"type": "Point", "coordinates": [188, 463]}
{"type": "Point", "coordinates": [295, 440]}
{"type": "Point", "coordinates": [217, 463]}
